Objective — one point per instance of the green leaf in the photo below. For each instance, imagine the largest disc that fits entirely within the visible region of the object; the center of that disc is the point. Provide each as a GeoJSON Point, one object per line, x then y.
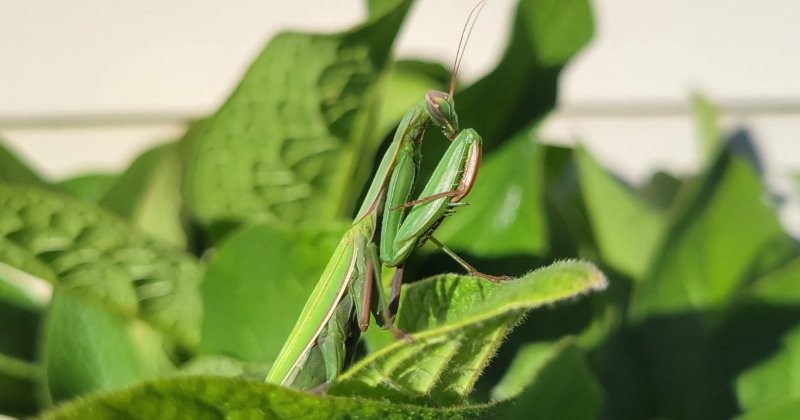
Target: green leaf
{"type": "Point", "coordinates": [89, 347]}
{"type": "Point", "coordinates": [708, 132]}
{"type": "Point", "coordinates": [406, 85]}
{"type": "Point", "coordinates": [14, 171]}
{"type": "Point", "coordinates": [784, 410]}
{"type": "Point", "coordinates": [522, 89]}
{"type": "Point", "coordinates": [457, 324]}
{"type": "Point", "coordinates": [555, 380]}
{"type": "Point", "coordinates": [774, 380]}
{"type": "Point", "coordinates": [726, 237]}
{"type": "Point", "coordinates": [92, 253]}
{"type": "Point", "coordinates": [711, 248]}
{"type": "Point", "coordinates": [148, 194]}
{"type": "Point", "coordinates": [287, 145]}
{"type": "Point", "coordinates": [506, 208]}
{"type": "Point", "coordinates": [256, 286]}
{"type": "Point", "coordinates": [226, 398]}
{"type": "Point", "coordinates": [88, 187]}
{"type": "Point", "coordinates": [18, 381]}
{"type": "Point", "coordinates": [627, 231]}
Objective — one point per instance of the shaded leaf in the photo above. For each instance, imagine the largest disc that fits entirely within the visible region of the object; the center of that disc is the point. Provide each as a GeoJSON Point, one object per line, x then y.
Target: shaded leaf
{"type": "Point", "coordinates": [256, 286]}
{"type": "Point", "coordinates": [555, 380]}
{"type": "Point", "coordinates": [286, 144]}
{"type": "Point", "coordinates": [457, 324]}
{"type": "Point", "coordinates": [774, 380]}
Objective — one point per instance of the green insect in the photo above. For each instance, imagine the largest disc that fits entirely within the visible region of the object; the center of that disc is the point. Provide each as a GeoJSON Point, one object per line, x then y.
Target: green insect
{"type": "Point", "coordinates": [345, 289]}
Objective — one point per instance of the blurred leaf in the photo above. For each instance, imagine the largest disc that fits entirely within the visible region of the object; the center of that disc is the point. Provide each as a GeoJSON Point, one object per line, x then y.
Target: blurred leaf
{"type": "Point", "coordinates": [726, 237]}
{"type": "Point", "coordinates": [545, 36]}
{"type": "Point", "coordinates": [660, 190]}
{"type": "Point", "coordinates": [711, 248]}
{"type": "Point", "coordinates": [626, 230]}
{"type": "Point", "coordinates": [709, 135]}
{"type": "Point", "coordinates": [90, 347]}
{"type": "Point", "coordinates": [556, 381]}
{"type": "Point", "coordinates": [774, 380]}
{"type": "Point", "coordinates": [506, 212]}
{"type": "Point", "coordinates": [88, 187]}
{"type": "Point", "coordinates": [784, 410]}
{"type": "Point", "coordinates": [148, 194]}
{"type": "Point", "coordinates": [256, 286]}
{"type": "Point", "coordinates": [406, 85]}
{"type": "Point", "coordinates": [779, 287]}
{"type": "Point", "coordinates": [18, 381]}
{"type": "Point", "coordinates": [81, 248]}
{"type": "Point", "coordinates": [287, 145]}
{"type": "Point", "coordinates": [14, 171]}
{"type": "Point", "coordinates": [457, 323]}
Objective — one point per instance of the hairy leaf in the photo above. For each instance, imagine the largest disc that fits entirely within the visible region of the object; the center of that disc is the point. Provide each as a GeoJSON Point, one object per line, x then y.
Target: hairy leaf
{"type": "Point", "coordinates": [457, 323]}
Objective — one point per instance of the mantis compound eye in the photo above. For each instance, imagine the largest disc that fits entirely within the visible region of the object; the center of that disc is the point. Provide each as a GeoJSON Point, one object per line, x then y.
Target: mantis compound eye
{"type": "Point", "coordinates": [443, 112]}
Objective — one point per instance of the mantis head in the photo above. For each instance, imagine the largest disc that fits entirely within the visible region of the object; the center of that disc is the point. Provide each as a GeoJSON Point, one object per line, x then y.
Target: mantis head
{"type": "Point", "coordinates": [442, 110]}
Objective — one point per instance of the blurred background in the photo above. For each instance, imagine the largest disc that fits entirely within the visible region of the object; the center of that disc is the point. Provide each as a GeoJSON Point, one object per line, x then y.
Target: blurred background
{"type": "Point", "coordinates": [87, 85]}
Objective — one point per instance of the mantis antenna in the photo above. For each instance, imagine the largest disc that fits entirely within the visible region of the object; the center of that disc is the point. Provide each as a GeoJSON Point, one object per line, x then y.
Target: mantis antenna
{"type": "Point", "coordinates": [462, 42]}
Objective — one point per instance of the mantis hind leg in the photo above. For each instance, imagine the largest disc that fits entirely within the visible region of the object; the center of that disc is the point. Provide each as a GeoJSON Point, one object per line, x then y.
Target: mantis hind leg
{"type": "Point", "coordinates": [472, 271]}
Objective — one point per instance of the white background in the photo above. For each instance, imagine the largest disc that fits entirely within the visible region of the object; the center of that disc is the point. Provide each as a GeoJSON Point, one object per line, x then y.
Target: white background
{"type": "Point", "coordinates": [88, 84]}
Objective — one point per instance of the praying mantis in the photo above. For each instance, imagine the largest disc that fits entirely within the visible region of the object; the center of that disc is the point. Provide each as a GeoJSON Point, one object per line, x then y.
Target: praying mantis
{"type": "Point", "coordinates": [387, 228]}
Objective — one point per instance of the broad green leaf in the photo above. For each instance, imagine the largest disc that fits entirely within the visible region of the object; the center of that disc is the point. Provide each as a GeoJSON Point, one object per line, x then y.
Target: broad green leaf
{"type": "Point", "coordinates": [88, 347]}
{"type": "Point", "coordinates": [148, 194]}
{"type": "Point", "coordinates": [506, 215]}
{"type": "Point", "coordinates": [89, 187]}
{"type": "Point", "coordinates": [256, 285]}
{"type": "Point", "coordinates": [556, 381]}
{"type": "Point", "coordinates": [14, 171]}
{"type": "Point", "coordinates": [627, 231]}
{"type": "Point", "coordinates": [90, 252]}
{"type": "Point", "coordinates": [457, 323]}
{"type": "Point", "coordinates": [288, 143]}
